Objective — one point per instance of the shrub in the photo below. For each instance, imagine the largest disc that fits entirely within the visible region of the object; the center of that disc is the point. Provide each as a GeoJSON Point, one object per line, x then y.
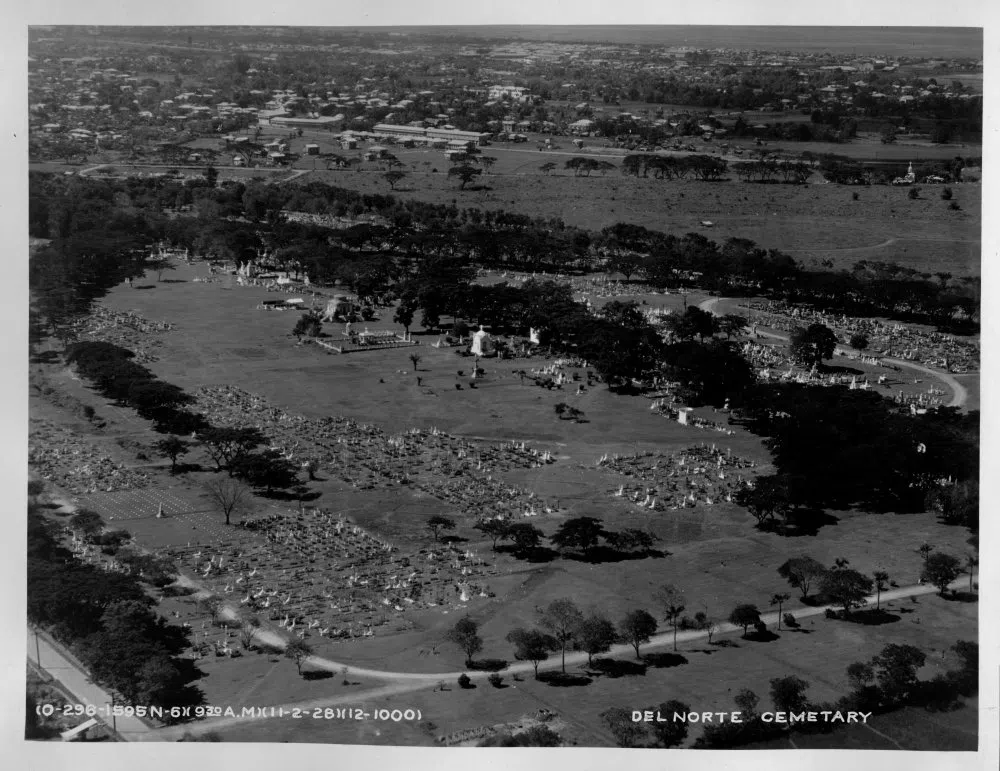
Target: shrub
{"type": "Point", "coordinates": [954, 206]}
{"type": "Point", "coordinates": [495, 680]}
{"type": "Point", "coordinates": [914, 193]}
{"type": "Point", "coordinates": [946, 194]}
{"type": "Point", "coordinates": [464, 681]}
{"type": "Point", "coordinates": [830, 613]}
{"type": "Point", "coordinates": [789, 620]}
{"type": "Point", "coordinates": [855, 196]}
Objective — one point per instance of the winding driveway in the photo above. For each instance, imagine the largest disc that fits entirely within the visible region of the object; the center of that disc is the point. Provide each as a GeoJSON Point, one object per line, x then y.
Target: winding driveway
{"type": "Point", "coordinates": [959, 392]}
{"type": "Point", "coordinates": [408, 682]}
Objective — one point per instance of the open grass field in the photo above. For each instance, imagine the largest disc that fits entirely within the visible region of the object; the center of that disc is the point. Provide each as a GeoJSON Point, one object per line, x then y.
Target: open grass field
{"type": "Point", "coordinates": [813, 223]}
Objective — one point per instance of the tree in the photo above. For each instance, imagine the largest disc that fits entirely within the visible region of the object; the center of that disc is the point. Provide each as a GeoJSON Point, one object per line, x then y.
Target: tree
{"type": "Point", "coordinates": [706, 624]}
{"type": "Point", "coordinates": [747, 701]}
{"type": "Point", "coordinates": [562, 618]}
{"type": "Point", "coordinates": [881, 579]}
{"type": "Point", "coordinates": [789, 694]}
{"type": "Point", "coordinates": [229, 496]}
{"type": "Point", "coordinates": [925, 551]}
{"type": "Point", "coordinates": [212, 175]}
{"type": "Point", "coordinates": [940, 570]}
{"type": "Point", "coordinates": [745, 615]}
{"type": "Point", "coordinates": [895, 669]}
{"type": "Point", "coordinates": [248, 630]}
{"type": "Point", "coordinates": [532, 645]}
{"type": "Point", "coordinates": [801, 572]}
{"type": "Point", "coordinates": [226, 445]}
{"type": "Point", "coordinates": [404, 315]}
{"type": "Point", "coordinates": [859, 341]}
{"type": "Point", "coordinates": [732, 324]}
{"type": "Point", "coordinates": [595, 634]}
{"type": "Point", "coordinates": [494, 529]}
{"type": "Point", "coordinates": [487, 161]}
{"type": "Point", "coordinates": [524, 536]}
{"type": "Point", "coordinates": [465, 174]}
{"type": "Point", "coordinates": [625, 262]}
{"type": "Point", "coordinates": [860, 675]}
{"type": "Point", "coordinates": [779, 599]}
{"type": "Point", "coordinates": [298, 650]}
{"type": "Point", "coordinates": [847, 588]}
{"type": "Point", "coordinates": [268, 469]}
{"type": "Point", "coordinates": [393, 177]}
{"type": "Point", "coordinates": [670, 732]}
{"type": "Point", "coordinates": [578, 533]}
{"type": "Point", "coordinates": [768, 497]}
{"type": "Point", "coordinates": [812, 345]}
{"type": "Point", "coordinates": [172, 447]}
{"type": "Point", "coordinates": [465, 634]}
{"type": "Point", "coordinates": [307, 325]}
{"type": "Point", "coordinates": [626, 731]}
{"type": "Point", "coordinates": [636, 628]}
{"type": "Point", "coordinates": [86, 522]}
{"type": "Point", "coordinates": [673, 603]}
{"type": "Point", "coordinates": [438, 523]}
{"type": "Point", "coordinates": [415, 358]}
{"type": "Point", "coordinates": [212, 605]}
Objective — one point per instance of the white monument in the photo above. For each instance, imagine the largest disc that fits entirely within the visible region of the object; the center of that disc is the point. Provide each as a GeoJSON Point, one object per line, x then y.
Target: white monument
{"type": "Point", "coordinates": [477, 341]}
{"type": "Point", "coordinates": [533, 336]}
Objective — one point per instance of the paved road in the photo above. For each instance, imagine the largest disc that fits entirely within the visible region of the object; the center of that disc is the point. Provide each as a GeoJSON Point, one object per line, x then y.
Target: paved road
{"type": "Point", "coordinates": [960, 393]}
{"type": "Point", "coordinates": [77, 682]}
{"type": "Point", "coordinates": [408, 682]}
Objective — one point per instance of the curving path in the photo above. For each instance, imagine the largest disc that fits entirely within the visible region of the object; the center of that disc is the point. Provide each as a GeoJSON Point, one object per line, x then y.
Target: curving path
{"type": "Point", "coordinates": [408, 682]}
{"type": "Point", "coordinates": [960, 393]}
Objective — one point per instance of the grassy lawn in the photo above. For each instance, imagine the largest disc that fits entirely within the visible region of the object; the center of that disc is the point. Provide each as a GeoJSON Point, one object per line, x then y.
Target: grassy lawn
{"type": "Point", "coordinates": [706, 678]}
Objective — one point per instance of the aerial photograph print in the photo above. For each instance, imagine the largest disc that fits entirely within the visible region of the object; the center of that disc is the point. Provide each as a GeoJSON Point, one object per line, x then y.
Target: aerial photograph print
{"type": "Point", "coordinates": [504, 385]}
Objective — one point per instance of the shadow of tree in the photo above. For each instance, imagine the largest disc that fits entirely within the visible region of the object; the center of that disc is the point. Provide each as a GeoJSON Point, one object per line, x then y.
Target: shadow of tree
{"type": "Point", "coordinates": [614, 668]}
{"type": "Point", "coordinates": [959, 596]}
{"type": "Point", "coordinates": [664, 660]}
{"type": "Point", "coordinates": [317, 674]}
{"type": "Point", "coordinates": [567, 680]}
{"type": "Point", "coordinates": [803, 522]}
{"type": "Point", "coordinates": [764, 636]}
{"type": "Point", "coordinates": [871, 617]}
{"type": "Point", "coordinates": [488, 665]}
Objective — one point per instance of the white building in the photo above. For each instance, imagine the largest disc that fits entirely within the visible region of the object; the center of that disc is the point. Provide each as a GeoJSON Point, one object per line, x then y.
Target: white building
{"type": "Point", "coordinates": [518, 93]}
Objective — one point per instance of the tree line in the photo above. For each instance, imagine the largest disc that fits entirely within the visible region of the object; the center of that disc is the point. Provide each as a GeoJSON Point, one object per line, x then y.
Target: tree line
{"type": "Point", "coordinates": [107, 618]}
{"type": "Point", "coordinates": [98, 227]}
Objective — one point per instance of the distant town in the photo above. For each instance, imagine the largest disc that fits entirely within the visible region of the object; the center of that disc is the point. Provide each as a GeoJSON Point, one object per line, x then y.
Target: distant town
{"type": "Point", "coordinates": [123, 95]}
